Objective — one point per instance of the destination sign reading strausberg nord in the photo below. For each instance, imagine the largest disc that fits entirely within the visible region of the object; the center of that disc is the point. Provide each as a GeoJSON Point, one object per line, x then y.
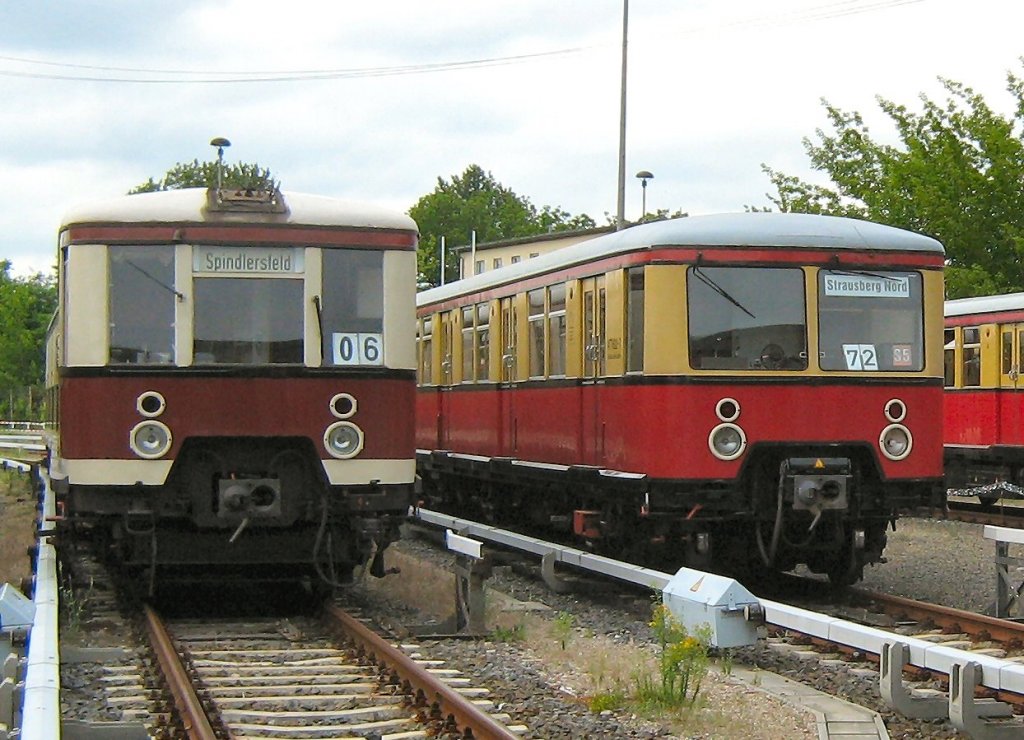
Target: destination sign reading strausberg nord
{"type": "Point", "coordinates": [867, 286]}
{"type": "Point", "coordinates": [258, 260]}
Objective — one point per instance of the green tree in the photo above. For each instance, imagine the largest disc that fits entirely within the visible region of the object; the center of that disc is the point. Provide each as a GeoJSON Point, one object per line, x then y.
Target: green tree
{"type": "Point", "coordinates": [475, 201]}
{"type": "Point", "coordinates": [196, 174]}
{"type": "Point", "coordinates": [27, 305]}
{"type": "Point", "coordinates": [957, 174]}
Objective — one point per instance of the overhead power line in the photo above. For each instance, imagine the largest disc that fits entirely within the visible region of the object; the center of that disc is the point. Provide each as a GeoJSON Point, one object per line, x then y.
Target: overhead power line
{"type": "Point", "coordinates": [159, 76]}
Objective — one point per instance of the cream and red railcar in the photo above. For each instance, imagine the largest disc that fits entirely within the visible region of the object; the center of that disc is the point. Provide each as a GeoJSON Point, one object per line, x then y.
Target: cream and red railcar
{"type": "Point", "coordinates": [233, 379]}
{"type": "Point", "coordinates": [741, 392]}
{"type": "Point", "coordinates": [984, 401]}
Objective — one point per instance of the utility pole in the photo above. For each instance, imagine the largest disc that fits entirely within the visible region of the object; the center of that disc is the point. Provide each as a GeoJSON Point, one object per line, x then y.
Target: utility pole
{"type": "Point", "coordinates": [620, 212]}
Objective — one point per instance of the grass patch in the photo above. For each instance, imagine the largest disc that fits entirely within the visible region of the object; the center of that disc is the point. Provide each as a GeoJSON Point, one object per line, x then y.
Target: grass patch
{"type": "Point", "coordinates": [675, 682]}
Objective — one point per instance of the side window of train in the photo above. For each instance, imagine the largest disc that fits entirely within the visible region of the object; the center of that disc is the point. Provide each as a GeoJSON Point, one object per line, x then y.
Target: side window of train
{"type": "Point", "coordinates": [635, 320]}
{"type": "Point", "coordinates": [949, 357]}
{"type": "Point", "coordinates": [468, 340]}
{"type": "Point", "coordinates": [556, 330]}
{"type": "Point", "coordinates": [427, 351]}
{"type": "Point", "coordinates": [141, 304]}
{"type": "Point", "coordinates": [353, 307]}
{"type": "Point", "coordinates": [971, 370]}
{"type": "Point", "coordinates": [535, 300]}
{"type": "Point", "coordinates": [483, 342]}
{"type": "Point", "coordinates": [447, 328]}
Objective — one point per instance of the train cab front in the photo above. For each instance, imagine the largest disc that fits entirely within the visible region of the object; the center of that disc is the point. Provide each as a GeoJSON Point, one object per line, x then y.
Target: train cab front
{"type": "Point", "coordinates": [263, 508]}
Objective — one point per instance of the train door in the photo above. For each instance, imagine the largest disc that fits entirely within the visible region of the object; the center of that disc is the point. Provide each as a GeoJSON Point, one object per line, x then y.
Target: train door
{"type": "Point", "coordinates": [507, 389]}
{"type": "Point", "coordinates": [1011, 385]}
{"type": "Point", "coordinates": [447, 339]}
{"type": "Point", "coordinates": [592, 425]}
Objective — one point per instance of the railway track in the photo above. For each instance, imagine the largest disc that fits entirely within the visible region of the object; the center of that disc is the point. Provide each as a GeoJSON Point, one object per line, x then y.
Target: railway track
{"type": "Point", "coordinates": [261, 672]}
{"type": "Point", "coordinates": [311, 678]}
{"type": "Point", "coordinates": [279, 658]}
{"type": "Point", "coordinates": [303, 678]}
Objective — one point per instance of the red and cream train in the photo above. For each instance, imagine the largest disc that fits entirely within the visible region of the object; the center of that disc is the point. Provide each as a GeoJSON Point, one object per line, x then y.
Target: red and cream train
{"type": "Point", "coordinates": [746, 392]}
{"type": "Point", "coordinates": [232, 379]}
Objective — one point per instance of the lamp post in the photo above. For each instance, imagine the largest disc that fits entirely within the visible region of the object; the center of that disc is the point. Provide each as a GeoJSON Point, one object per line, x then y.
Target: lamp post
{"type": "Point", "coordinates": [220, 142]}
{"type": "Point", "coordinates": [644, 176]}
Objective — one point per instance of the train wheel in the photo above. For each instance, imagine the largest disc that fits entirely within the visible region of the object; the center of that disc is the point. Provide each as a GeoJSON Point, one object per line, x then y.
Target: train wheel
{"type": "Point", "coordinates": [846, 567]}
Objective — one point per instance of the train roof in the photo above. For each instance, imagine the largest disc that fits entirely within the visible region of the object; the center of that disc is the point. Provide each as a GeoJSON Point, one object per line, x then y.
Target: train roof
{"type": "Point", "coordinates": [985, 304]}
{"type": "Point", "coordinates": [190, 205]}
{"type": "Point", "coordinates": [760, 230]}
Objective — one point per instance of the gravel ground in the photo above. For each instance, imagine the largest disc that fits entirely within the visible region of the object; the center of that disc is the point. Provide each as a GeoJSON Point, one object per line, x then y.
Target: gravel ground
{"type": "Point", "coordinates": [930, 560]}
{"type": "Point", "coordinates": [545, 686]}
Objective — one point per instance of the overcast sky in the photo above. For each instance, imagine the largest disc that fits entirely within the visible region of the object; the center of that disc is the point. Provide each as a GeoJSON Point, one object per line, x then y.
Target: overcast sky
{"type": "Point", "coordinates": [375, 101]}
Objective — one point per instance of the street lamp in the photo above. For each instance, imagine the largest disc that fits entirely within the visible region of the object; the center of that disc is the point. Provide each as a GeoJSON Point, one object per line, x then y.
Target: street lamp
{"type": "Point", "coordinates": [220, 142]}
{"type": "Point", "coordinates": [644, 176]}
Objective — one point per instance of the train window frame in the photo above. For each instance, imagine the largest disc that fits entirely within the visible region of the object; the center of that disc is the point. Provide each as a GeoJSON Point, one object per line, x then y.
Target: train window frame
{"type": "Point", "coordinates": [424, 342]}
{"type": "Point", "coordinates": [274, 295]}
{"type": "Point", "coordinates": [634, 323]}
{"type": "Point", "coordinates": [557, 330]}
{"type": "Point", "coordinates": [536, 301]}
{"type": "Point", "coordinates": [858, 313]}
{"type": "Point", "coordinates": [970, 357]}
{"type": "Point", "coordinates": [719, 296]}
{"type": "Point", "coordinates": [482, 343]}
{"type": "Point", "coordinates": [446, 342]}
{"type": "Point", "coordinates": [949, 341]}
{"type": "Point", "coordinates": [141, 304]}
{"type": "Point", "coordinates": [468, 333]}
{"type": "Point", "coordinates": [352, 308]}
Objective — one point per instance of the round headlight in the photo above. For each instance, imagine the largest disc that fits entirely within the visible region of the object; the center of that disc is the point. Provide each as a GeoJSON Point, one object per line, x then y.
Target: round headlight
{"type": "Point", "coordinates": [344, 405]}
{"type": "Point", "coordinates": [895, 410]}
{"type": "Point", "coordinates": [150, 404]}
{"type": "Point", "coordinates": [150, 439]}
{"type": "Point", "coordinates": [343, 439]}
{"type": "Point", "coordinates": [895, 441]}
{"type": "Point", "coordinates": [727, 409]}
{"type": "Point", "coordinates": [727, 441]}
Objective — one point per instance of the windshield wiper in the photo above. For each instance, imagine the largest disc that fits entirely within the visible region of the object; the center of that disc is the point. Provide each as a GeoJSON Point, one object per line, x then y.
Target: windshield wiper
{"type": "Point", "coordinates": [319, 324]}
{"type": "Point", "coordinates": [720, 290]}
{"type": "Point", "coordinates": [165, 286]}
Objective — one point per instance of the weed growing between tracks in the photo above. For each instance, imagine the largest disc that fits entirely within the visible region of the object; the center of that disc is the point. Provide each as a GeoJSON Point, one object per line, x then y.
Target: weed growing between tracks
{"type": "Point", "coordinates": [17, 513]}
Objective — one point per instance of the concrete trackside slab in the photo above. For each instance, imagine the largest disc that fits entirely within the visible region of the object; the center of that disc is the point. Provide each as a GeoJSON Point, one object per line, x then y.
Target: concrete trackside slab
{"type": "Point", "coordinates": [837, 719]}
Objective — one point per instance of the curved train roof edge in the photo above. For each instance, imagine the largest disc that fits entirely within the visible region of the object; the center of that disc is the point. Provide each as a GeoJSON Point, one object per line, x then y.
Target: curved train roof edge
{"type": "Point", "coordinates": [760, 229]}
{"type": "Point", "coordinates": [985, 304]}
{"type": "Point", "coordinates": [188, 205]}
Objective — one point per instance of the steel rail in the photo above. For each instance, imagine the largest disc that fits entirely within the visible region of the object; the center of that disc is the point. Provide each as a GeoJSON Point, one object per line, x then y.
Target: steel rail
{"type": "Point", "coordinates": [193, 717]}
{"type": "Point", "coordinates": [451, 703]}
{"type": "Point", "coordinates": [1001, 630]}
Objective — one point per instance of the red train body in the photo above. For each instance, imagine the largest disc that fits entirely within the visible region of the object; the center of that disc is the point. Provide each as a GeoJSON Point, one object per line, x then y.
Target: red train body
{"type": "Point", "coordinates": [736, 392]}
{"type": "Point", "coordinates": [983, 424]}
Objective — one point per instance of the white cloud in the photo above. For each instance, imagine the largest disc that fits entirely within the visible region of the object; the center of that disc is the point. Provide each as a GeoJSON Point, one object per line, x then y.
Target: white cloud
{"type": "Point", "coordinates": [715, 89]}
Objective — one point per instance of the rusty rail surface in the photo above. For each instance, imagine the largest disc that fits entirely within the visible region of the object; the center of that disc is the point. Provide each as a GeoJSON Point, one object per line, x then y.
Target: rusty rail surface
{"type": "Point", "coordinates": [193, 717]}
{"type": "Point", "coordinates": [976, 625]}
{"type": "Point", "coordinates": [448, 701]}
